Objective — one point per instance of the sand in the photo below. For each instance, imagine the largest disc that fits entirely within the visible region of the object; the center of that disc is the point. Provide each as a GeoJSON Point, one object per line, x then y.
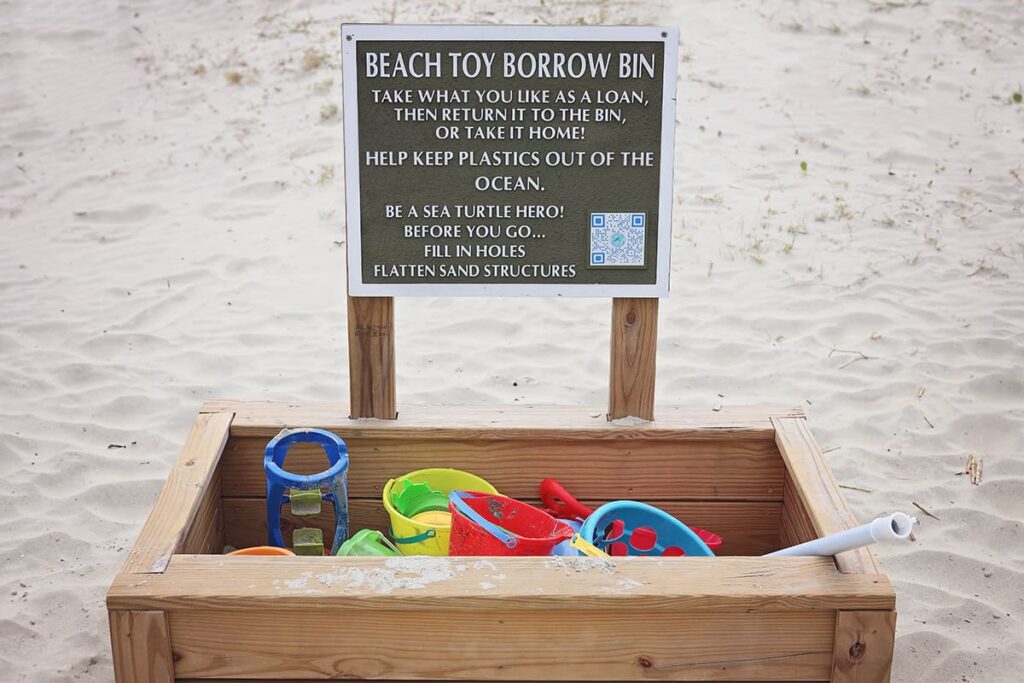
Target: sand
{"type": "Point", "coordinates": [172, 231]}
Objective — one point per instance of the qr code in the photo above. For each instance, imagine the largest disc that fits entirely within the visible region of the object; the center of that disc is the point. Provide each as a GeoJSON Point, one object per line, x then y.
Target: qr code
{"type": "Point", "coordinates": [617, 239]}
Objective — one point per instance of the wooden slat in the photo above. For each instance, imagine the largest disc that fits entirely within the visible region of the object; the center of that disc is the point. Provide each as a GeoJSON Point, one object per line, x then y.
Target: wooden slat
{"type": "Point", "coordinates": [389, 680]}
{"type": "Point", "coordinates": [863, 646]}
{"type": "Point", "coordinates": [634, 347]}
{"type": "Point", "coordinates": [722, 584]}
{"type": "Point", "coordinates": [141, 646]}
{"type": "Point", "coordinates": [371, 357]}
{"type": "Point", "coordinates": [602, 469]}
{"type": "Point", "coordinates": [748, 528]}
{"type": "Point", "coordinates": [795, 523]}
{"type": "Point", "coordinates": [206, 533]}
{"type": "Point", "coordinates": [581, 644]}
{"type": "Point", "coordinates": [179, 500]}
{"type": "Point", "coordinates": [562, 423]}
{"type": "Point", "coordinates": [818, 490]}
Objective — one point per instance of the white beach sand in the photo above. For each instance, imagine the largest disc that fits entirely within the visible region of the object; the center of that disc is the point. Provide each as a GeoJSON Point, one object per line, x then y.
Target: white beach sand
{"type": "Point", "coordinates": [171, 230]}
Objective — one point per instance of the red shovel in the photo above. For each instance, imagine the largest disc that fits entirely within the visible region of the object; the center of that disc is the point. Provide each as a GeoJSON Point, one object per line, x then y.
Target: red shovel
{"type": "Point", "coordinates": [561, 504]}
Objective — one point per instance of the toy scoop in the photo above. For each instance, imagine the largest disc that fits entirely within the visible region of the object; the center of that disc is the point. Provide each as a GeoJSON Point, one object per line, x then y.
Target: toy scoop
{"type": "Point", "coordinates": [560, 503]}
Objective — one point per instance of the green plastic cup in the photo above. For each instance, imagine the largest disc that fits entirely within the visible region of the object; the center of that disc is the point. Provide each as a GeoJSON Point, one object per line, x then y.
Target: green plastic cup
{"type": "Point", "coordinates": [367, 543]}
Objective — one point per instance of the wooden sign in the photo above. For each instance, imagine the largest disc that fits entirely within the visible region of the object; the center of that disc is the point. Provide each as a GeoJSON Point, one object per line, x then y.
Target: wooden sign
{"type": "Point", "coordinates": [509, 160]}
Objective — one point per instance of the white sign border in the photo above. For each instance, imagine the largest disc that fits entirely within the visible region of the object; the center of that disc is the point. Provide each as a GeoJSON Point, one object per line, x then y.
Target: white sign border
{"type": "Point", "coordinates": [351, 34]}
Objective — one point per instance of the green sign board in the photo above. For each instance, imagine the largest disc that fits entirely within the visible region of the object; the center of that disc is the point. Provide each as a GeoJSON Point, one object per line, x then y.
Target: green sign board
{"type": "Point", "coordinates": [509, 160]}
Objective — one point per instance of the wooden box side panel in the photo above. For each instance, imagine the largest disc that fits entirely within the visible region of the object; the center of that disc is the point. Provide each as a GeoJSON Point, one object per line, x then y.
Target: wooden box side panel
{"type": "Point", "coordinates": [520, 644]}
{"type": "Point", "coordinates": [502, 618]}
{"type": "Point", "coordinates": [795, 526]}
{"type": "Point", "coordinates": [596, 468]}
{"type": "Point", "coordinates": [206, 533]}
{"type": "Point", "coordinates": [186, 512]}
{"type": "Point", "coordinates": [814, 496]}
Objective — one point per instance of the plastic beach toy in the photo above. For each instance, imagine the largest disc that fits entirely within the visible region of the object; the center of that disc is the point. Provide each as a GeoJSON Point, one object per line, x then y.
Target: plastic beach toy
{"type": "Point", "coordinates": [585, 547]}
{"type": "Point", "coordinates": [264, 550]}
{"type": "Point", "coordinates": [304, 492]}
{"type": "Point", "coordinates": [368, 542]}
{"type": "Point", "coordinates": [489, 524]}
{"type": "Point", "coordinates": [429, 532]}
{"type": "Point", "coordinates": [565, 548]}
{"type": "Point", "coordinates": [560, 503]}
{"type": "Point", "coordinates": [410, 498]}
{"type": "Point", "coordinates": [894, 527]}
{"type": "Point", "coordinates": [626, 527]}
{"type": "Point", "coordinates": [434, 517]}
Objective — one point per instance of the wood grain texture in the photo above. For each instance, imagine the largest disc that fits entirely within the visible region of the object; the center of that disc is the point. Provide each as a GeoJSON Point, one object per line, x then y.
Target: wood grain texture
{"type": "Point", "coordinates": [206, 533]}
{"type": "Point", "coordinates": [502, 645]}
{"type": "Point", "coordinates": [141, 646]}
{"type": "Point", "coordinates": [179, 501]}
{"type": "Point", "coordinates": [729, 584]}
{"type": "Point", "coordinates": [795, 525]}
{"type": "Point", "coordinates": [818, 491]}
{"type": "Point", "coordinates": [371, 357]}
{"type": "Point", "coordinates": [749, 528]}
{"type": "Point", "coordinates": [863, 646]}
{"type": "Point", "coordinates": [634, 348]}
{"type": "Point", "coordinates": [551, 423]}
{"type": "Point", "coordinates": [599, 469]}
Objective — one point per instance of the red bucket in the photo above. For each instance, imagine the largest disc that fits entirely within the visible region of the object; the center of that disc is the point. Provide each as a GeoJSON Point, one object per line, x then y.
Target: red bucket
{"type": "Point", "coordinates": [489, 524]}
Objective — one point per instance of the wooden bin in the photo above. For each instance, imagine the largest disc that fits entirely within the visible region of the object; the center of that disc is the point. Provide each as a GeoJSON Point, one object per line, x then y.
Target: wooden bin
{"type": "Point", "coordinates": [180, 610]}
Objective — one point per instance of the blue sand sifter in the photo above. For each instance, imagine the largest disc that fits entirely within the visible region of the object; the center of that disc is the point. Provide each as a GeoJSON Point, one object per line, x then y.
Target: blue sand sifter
{"type": "Point", "coordinates": [626, 527]}
{"type": "Point", "coordinates": [303, 492]}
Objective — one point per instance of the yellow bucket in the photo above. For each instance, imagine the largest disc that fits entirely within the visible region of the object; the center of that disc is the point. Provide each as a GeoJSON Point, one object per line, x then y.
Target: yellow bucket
{"type": "Point", "coordinates": [418, 537]}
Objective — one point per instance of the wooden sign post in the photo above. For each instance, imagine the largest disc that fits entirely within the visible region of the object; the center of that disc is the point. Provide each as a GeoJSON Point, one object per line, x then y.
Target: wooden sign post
{"type": "Point", "coordinates": [633, 350]}
{"type": "Point", "coordinates": [371, 357]}
{"type": "Point", "coordinates": [508, 161]}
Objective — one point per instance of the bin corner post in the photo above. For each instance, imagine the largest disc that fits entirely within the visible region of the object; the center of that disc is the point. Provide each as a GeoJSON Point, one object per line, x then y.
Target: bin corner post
{"type": "Point", "coordinates": [863, 650]}
{"type": "Point", "coordinates": [371, 357]}
{"type": "Point", "coordinates": [141, 645]}
{"type": "Point", "coordinates": [633, 350]}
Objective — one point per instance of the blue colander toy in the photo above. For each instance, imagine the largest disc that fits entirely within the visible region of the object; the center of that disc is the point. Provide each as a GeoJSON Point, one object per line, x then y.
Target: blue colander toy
{"type": "Point", "coordinates": [626, 527]}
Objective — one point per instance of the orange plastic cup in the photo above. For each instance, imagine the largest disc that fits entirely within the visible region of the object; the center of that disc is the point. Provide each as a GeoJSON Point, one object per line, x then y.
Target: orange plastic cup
{"type": "Point", "coordinates": [264, 550]}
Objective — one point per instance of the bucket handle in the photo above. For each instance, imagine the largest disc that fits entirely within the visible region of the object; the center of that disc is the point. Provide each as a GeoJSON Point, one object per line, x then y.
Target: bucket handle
{"type": "Point", "coordinates": [429, 533]}
{"type": "Point", "coordinates": [458, 499]}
